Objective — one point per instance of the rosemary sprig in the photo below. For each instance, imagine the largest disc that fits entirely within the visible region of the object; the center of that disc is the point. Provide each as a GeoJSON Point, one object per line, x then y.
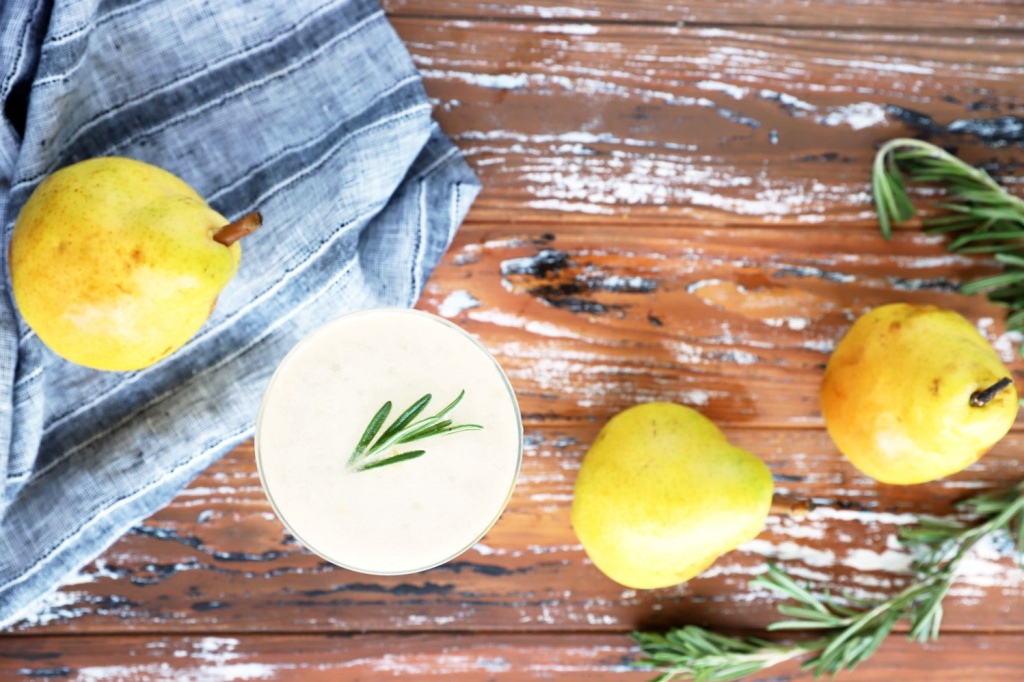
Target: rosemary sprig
{"type": "Point", "coordinates": [851, 629]}
{"type": "Point", "coordinates": [366, 454]}
{"type": "Point", "coordinates": [982, 216]}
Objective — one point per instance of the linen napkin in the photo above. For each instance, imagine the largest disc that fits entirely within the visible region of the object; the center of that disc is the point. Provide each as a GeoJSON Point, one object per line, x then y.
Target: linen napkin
{"type": "Point", "coordinates": [312, 113]}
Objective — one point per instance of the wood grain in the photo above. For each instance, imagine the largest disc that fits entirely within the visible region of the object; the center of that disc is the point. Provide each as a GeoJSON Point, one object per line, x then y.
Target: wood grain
{"type": "Point", "coordinates": [591, 319]}
{"type": "Point", "coordinates": [737, 126]}
{"type": "Point", "coordinates": [911, 15]}
{"type": "Point", "coordinates": [457, 657]}
{"type": "Point", "coordinates": [217, 560]}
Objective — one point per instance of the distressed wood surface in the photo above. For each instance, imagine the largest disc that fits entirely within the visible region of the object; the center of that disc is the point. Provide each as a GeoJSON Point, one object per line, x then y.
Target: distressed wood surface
{"type": "Point", "coordinates": [669, 212]}
{"type": "Point", "coordinates": [217, 560]}
{"type": "Point", "coordinates": [458, 657]}
{"type": "Point", "coordinates": [739, 126]}
{"type": "Point", "coordinates": [737, 322]}
{"type": "Point", "coordinates": [909, 15]}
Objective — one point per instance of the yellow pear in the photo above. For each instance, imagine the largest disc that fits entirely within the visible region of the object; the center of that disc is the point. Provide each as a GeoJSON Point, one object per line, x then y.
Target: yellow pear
{"type": "Point", "coordinates": [913, 393]}
{"type": "Point", "coordinates": [116, 263]}
{"type": "Point", "coordinates": [661, 494]}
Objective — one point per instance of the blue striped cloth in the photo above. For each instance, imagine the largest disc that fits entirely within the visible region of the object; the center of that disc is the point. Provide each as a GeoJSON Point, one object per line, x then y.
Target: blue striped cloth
{"type": "Point", "coordinates": [311, 112]}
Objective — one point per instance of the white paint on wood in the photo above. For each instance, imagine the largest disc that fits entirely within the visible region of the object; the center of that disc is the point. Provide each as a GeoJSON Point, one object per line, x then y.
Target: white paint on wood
{"type": "Point", "coordinates": [457, 302]}
{"type": "Point", "coordinates": [734, 91]}
{"type": "Point", "coordinates": [568, 29]}
{"type": "Point", "coordinates": [563, 12]}
{"type": "Point", "coordinates": [165, 672]}
{"type": "Point", "coordinates": [512, 320]}
{"type": "Point", "coordinates": [889, 66]}
{"type": "Point", "coordinates": [790, 551]}
{"type": "Point", "coordinates": [858, 116]}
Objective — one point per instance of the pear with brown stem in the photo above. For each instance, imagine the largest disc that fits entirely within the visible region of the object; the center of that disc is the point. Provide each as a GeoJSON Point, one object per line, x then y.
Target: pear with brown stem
{"type": "Point", "coordinates": [116, 263]}
{"type": "Point", "coordinates": [913, 393]}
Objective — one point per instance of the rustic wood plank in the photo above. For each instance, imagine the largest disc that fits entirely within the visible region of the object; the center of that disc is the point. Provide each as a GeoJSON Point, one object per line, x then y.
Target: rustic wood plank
{"type": "Point", "coordinates": [916, 15]}
{"type": "Point", "coordinates": [217, 559]}
{"type": "Point", "coordinates": [739, 323]}
{"type": "Point", "coordinates": [741, 126]}
{"type": "Point", "coordinates": [304, 658]}
{"type": "Point", "coordinates": [457, 657]}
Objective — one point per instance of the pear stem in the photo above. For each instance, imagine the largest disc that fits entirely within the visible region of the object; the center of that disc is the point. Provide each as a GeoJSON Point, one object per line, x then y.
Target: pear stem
{"type": "Point", "coordinates": [983, 397]}
{"type": "Point", "coordinates": [795, 507]}
{"type": "Point", "coordinates": [232, 232]}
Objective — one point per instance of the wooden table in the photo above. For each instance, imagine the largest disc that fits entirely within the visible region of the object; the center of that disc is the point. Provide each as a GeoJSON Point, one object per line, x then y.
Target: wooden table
{"type": "Point", "coordinates": [675, 207]}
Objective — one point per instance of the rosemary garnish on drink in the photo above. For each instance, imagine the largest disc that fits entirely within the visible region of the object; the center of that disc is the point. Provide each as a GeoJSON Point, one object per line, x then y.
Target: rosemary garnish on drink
{"type": "Point", "coordinates": [982, 216]}
{"type": "Point", "coordinates": [367, 453]}
{"type": "Point", "coordinates": [851, 629]}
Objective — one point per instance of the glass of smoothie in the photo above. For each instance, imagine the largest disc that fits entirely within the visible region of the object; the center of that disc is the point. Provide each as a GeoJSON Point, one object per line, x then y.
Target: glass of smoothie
{"type": "Point", "coordinates": [389, 441]}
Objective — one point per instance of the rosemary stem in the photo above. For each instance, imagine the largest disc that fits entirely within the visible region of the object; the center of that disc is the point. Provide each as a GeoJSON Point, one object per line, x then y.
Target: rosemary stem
{"type": "Point", "coordinates": [946, 166]}
{"type": "Point", "coordinates": [1001, 520]}
{"type": "Point", "coordinates": [366, 454]}
{"type": "Point", "coordinates": [851, 630]}
{"type": "Point", "coordinates": [767, 657]}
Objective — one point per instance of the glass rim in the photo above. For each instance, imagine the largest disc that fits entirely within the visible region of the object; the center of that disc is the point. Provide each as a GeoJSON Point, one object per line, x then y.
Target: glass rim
{"type": "Point", "coordinates": [326, 327]}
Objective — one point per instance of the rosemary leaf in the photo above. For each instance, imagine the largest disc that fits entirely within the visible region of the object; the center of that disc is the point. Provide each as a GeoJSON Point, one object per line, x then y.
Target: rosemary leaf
{"type": "Point", "coordinates": [989, 248]}
{"type": "Point", "coordinates": [423, 429]}
{"type": "Point", "coordinates": [801, 625]}
{"type": "Point", "coordinates": [844, 610]}
{"type": "Point", "coordinates": [875, 641]}
{"type": "Point", "coordinates": [451, 406]}
{"type": "Point", "coordinates": [924, 623]}
{"type": "Point", "coordinates": [953, 219]}
{"type": "Point", "coordinates": [1010, 259]}
{"type": "Point", "coordinates": [993, 282]}
{"type": "Point", "coordinates": [931, 226]}
{"type": "Point", "coordinates": [1007, 296]}
{"type": "Point", "coordinates": [460, 428]}
{"type": "Point", "coordinates": [1019, 537]}
{"type": "Point", "coordinates": [406, 417]}
{"type": "Point", "coordinates": [412, 454]}
{"type": "Point", "coordinates": [904, 209]}
{"type": "Point", "coordinates": [1015, 319]}
{"type": "Point", "coordinates": [777, 580]}
{"type": "Point", "coordinates": [965, 239]}
{"type": "Point", "coordinates": [821, 614]}
{"type": "Point", "coordinates": [371, 431]}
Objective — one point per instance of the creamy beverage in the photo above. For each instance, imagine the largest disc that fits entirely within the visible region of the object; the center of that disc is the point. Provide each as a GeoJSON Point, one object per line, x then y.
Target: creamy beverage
{"type": "Point", "coordinates": [406, 506]}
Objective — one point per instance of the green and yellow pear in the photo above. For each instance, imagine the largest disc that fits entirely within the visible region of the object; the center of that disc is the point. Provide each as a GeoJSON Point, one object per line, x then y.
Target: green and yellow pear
{"type": "Point", "coordinates": [116, 263]}
{"type": "Point", "coordinates": [913, 393]}
{"type": "Point", "coordinates": [661, 494]}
